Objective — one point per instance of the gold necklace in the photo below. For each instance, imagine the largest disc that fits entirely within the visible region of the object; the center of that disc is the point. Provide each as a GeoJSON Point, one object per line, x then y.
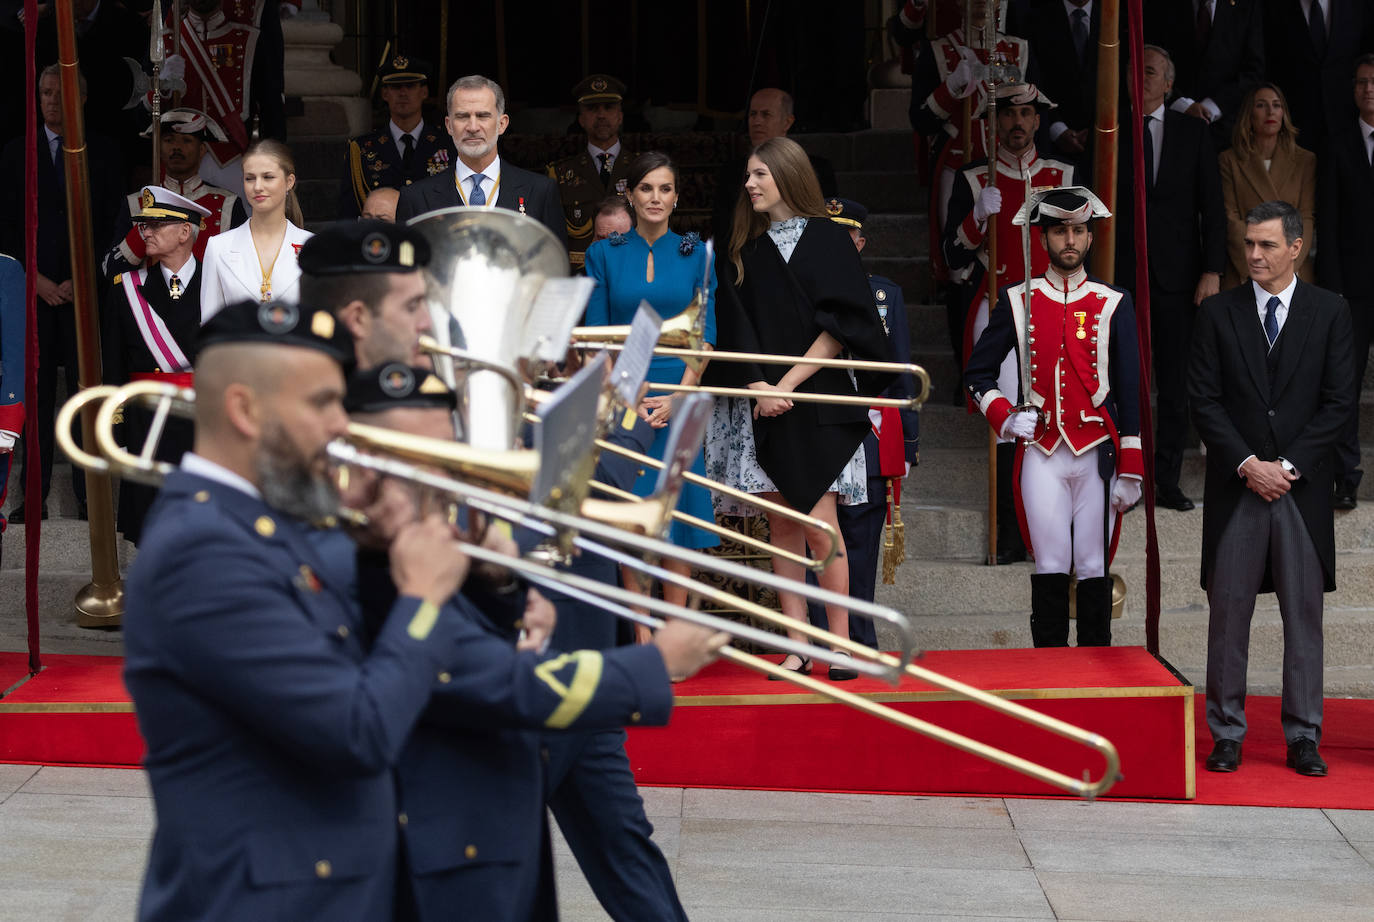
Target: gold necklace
{"type": "Point", "coordinates": [267, 272]}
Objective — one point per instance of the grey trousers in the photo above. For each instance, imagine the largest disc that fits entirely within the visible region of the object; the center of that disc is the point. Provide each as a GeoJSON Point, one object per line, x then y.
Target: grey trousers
{"type": "Point", "coordinates": [1261, 532]}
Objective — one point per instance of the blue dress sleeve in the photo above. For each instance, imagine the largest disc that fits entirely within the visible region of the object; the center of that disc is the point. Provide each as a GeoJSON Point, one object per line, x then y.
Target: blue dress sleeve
{"type": "Point", "coordinates": [599, 305]}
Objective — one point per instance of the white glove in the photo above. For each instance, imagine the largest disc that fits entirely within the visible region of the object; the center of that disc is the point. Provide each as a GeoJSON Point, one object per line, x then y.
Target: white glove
{"type": "Point", "coordinates": [7, 441]}
{"type": "Point", "coordinates": [1021, 425]}
{"type": "Point", "coordinates": [960, 82]}
{"type": "Point", "coordinates": [989, 203]}
{"type": "Point", "coordinates": [172, 76]}
{"type": "Point", "coordinates": [1125, 493]}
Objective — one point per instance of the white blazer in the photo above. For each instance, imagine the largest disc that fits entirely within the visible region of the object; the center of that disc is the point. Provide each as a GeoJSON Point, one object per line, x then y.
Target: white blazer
{"type": "Point", "coordinates": [232, 273]}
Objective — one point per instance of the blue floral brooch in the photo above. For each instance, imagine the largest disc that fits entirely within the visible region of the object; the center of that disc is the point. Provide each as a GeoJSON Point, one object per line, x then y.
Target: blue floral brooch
{"type": "Point", "coordinates": [689, 243]}
{"type": "Point", "coordinates": [617, 239]}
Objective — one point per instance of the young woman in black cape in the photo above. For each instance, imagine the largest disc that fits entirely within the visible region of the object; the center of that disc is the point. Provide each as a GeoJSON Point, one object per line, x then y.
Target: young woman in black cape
{"type": "Point", "coordinates": [790, 283]}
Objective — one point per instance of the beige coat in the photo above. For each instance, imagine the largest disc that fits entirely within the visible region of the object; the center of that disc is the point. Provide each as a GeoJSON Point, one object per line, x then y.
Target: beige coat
{"type": "Point", "coordinates": [1291, 178]}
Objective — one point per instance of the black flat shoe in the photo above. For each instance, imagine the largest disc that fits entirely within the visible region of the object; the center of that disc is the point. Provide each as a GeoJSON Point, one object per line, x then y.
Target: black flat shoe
{"type": "Point", "coordinates": [1304, 759]}
{"type": "Point", "coordinates": [1344, 500]}
{"type": "Point", "coordinates": [803, 669]}
{"type": "Point", "coordinates": [1225, 756]}
{"type": "Point", "coordinates": [842, 673]}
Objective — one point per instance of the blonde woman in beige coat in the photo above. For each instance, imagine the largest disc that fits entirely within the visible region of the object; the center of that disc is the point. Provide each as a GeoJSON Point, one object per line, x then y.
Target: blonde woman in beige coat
{"type": "Point", "coordinates": [1265, 164]}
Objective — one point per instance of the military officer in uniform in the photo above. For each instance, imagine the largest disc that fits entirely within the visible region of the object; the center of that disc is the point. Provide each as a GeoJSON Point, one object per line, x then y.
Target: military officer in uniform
{"type": "Point", "coordinates": [13, 345]}
{"type": "Point", "coordinates": [1077, 414]}
{"type": "Point", "coordinates": [409, 148]}
{"type": "Point", "coordinates": [184, 136]}
{"type": "Point", "coordinates": [149, 327]}
{"type": "Point", "coordinates": [891, 448]}
{"type": "Point", "coordinates": [588, 176]}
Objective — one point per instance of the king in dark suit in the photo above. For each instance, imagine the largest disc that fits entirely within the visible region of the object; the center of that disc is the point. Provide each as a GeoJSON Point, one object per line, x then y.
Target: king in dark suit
{"type": "Point", "coordinates": [1270, 382]}
{"type": "Point", "coordinates": [476, 120]}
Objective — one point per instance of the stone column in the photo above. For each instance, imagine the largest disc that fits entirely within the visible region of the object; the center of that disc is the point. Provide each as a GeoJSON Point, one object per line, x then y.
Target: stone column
{"type": "Point", "coordinates": [331, 94]}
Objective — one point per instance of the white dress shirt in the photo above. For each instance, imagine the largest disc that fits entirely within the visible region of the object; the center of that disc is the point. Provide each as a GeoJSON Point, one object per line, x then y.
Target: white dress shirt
{"type": "Point", "coordinates": [596, 152]}
{"type": "Point", "coordinates": [1285, 298]}
{"type": "Point", "coordinates": [184, 274]}
{"type": "Point", "coordinates": [462, 172]}
{"type": "Point", "coordinates": [54, 143]}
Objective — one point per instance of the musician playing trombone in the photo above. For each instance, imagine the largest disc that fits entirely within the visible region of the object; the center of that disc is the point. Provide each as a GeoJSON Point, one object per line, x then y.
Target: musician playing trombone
{"type": "Point", "coordinates": [791, 283]}
{"type": "Point", "coordinates": [471, 785]}
{"type": "Point", "coordinates": [1077, 415]}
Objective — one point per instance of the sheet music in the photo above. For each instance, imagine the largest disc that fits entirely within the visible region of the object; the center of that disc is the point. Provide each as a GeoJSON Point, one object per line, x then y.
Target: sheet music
{"type": "Point", "coordinates": [633, 365]}
{"type": "Point", "coordinates": [557, 308]}
{"type": "Point", "coordinates": [566, 435]}
{"type": "Point", "coordinates": [691, 416]}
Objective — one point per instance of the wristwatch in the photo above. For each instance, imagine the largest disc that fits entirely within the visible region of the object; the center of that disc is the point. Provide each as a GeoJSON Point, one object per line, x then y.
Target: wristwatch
{"type": "Point", "coordinates": [1288, 466]}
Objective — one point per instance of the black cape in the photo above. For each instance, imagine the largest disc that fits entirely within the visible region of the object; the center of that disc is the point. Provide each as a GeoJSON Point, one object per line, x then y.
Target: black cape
{"type": "Point", "coordinates": [780, 308]}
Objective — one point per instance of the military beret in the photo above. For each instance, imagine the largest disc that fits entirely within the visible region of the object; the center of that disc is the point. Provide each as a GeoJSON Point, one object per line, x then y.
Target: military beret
{"type": "Point", "coordinates": [159, 204]}
{"type": "Point", "coordinates": [401, 69]}
{"type": "Point", "coordinates": [395, 384]}
{"type": "Point", "coordinates": [846, 212]}
{"type": "Point", "coordinates": [279, 323]}
{"type": "Point", "coordinates": [1067, 205]}
{"type": "Point", "coordinates": [599, 88]}
{"type": "Point", "coordinates": [352, 247]}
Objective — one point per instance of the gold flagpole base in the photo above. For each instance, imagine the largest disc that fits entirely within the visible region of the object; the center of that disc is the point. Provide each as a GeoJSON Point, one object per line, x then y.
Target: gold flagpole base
{"type": "Point", "coordinates": [100, 606]}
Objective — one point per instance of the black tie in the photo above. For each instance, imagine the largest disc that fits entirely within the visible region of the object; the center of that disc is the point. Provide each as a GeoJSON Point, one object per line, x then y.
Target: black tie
{"type": "Point", "coordinates": [1204, 24]}
{"type": "Point", "coordinates": [1080, 33]}
{"type": "Point", "coordinates": [605, 169]}
{"type": "Point", "coordinates": [1316, 25]}
{"type": "Point", "coordinates": [1149, 139]}
{"type": "Point", "coordinates": [407, 155]}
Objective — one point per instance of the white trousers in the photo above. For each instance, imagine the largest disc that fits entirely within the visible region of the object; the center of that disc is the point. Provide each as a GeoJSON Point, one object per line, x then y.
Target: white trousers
{"type": "Point", "coordinates": [1067, 511]}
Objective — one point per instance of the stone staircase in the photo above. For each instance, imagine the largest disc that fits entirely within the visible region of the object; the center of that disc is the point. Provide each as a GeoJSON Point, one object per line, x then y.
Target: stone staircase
{"type": "Point", "coordinates": [958, 602]}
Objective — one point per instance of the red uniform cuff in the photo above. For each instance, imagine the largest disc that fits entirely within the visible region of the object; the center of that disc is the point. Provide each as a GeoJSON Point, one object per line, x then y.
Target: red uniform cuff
{"type": "Point", "coordinates": [973, 233]}
{"type": "Point", "coordinates": [998, 412]}
{"type": "Point", "coordinates": [12, 417]}
{"type": "Point", "coordinates": [1131, 463]}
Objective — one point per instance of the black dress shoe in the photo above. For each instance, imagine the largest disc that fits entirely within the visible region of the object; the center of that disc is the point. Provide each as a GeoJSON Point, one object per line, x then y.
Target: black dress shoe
{"type": "Point", "coordinates": [20, 511]}
{"type": "Point", "coordinates": [1303, 758]}
{"type": "Point", "coordinates": [81, 512]}
{"type": "Point", "coordinates": [1173, 498]}
{"type": "Point", "coordinates": [1225, 756]}
{"type": "Point", "coordinates": [1011, 555]}
{"type": "Point", "coordinates": [1344, 500]}
{"type": "Point", "coordinates": [803, 669]}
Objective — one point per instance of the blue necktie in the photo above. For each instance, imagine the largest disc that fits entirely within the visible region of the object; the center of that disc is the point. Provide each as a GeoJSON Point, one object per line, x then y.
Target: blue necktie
{"type": "Point", "coordinates": [1271, 319]}
{"type": "Point", "coordinates": [478, 197]}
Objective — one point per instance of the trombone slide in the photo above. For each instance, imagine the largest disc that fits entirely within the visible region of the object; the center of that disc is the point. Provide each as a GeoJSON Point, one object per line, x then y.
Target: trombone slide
{"type": "Point", "coordinates": [851, 400]}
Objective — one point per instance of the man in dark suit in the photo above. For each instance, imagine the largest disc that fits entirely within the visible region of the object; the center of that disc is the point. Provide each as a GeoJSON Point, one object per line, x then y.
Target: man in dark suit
{"type": "Point", "coordinates": [408, 149]}
{"type": "Point", "coordinates": [1186, 229]}
{"type": "Point", "coordinates": [602, 168]}
{"type": "Point", "coordinates": [1218, 52]}
{"type": "Point", "coordinates": [1270, 382]}
{"type": "Point", "coordinates": [1345, 201]}
{"type": "Point", "coordinates": [148, 331]}
{"type": "Point", "coordinates": [1310, 51]}
{"type": "Point", "coordinates": [1063, 39]}
{"type": "Point", "coordinates": [476, 120]}
{"type": "Point", "coordinates": [56, 313]}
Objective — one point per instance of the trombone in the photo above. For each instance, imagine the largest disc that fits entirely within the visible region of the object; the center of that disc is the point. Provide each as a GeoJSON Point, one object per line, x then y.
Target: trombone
{"type": "Point", "coordinates": [615, 599]}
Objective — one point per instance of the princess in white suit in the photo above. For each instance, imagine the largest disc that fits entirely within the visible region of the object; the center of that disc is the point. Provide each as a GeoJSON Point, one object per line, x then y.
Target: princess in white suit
{"type": "Point", "coordinates": [256, 261]}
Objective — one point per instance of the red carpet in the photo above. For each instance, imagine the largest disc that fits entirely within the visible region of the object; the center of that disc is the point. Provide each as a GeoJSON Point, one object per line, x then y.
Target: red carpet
{"type": "Point", "coordinates": [76, 712]}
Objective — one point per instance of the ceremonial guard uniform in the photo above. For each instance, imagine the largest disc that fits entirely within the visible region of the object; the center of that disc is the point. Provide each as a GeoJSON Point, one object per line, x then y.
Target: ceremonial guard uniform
{"type": "Point", "coordinates": [1078, 338]}
{"type": "Point", "coordinates": [13, 343]}
{"type": "Point", "coordinates": [148, 332]}
{"type": "Point", "coordinates": [590, 175]}
{"type": "Point", "coordinates": [224, 209]}
{"type": "Point", "coordinates": [380, 158]}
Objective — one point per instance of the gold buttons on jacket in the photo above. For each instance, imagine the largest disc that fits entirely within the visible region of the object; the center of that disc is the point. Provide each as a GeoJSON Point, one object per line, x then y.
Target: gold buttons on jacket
{"type": "Point", "coordinates": [202, 496]}
{"type": "Point", "coordinates": [323, 868]}
{"type": "Point", "coordinates": [402, 819]}
{"type": "Point", "coordinates": [636, 717]}
{"type": "Point", "coordinates": [342, 630]}
{"type": "Point", "coordinates": [470, 852]}
{"type": "Point", "coordinates": [265, 526]}
{"type": "Point", "coordinates": [445, 678]}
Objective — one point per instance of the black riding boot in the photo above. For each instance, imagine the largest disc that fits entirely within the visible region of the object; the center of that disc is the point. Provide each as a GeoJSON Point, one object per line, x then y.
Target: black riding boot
{"type": "Point", "coordinates": [1095, 612]}
{"type": "Point", "coordinates": [1010, 547]}
{"type": "Point", "coordinates": [1049, 619]}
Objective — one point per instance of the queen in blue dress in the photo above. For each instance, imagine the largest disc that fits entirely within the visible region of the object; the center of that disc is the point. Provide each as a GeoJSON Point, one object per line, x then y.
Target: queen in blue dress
{"type": "Point", "coordinates": [651, 263]}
